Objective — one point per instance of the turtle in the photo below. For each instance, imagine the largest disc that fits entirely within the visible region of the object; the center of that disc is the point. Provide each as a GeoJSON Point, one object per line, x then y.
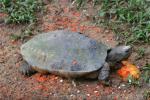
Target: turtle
{"type": "Point", "coordinates": [71, 55]}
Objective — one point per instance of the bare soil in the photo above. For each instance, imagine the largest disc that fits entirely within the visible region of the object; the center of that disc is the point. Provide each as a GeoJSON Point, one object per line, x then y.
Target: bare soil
{"type": "Point", "coordinates": [62, 15]}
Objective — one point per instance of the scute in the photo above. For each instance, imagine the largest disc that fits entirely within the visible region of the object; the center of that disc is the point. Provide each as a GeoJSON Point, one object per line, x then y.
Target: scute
{"type": "Point", "coordinates": [64, 52]}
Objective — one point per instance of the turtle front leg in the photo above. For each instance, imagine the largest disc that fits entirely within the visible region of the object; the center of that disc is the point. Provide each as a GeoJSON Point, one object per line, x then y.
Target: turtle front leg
{"type": "Point", "coordinates": [26, 69]}
{"type": "Point", "coordinates": [104, 74]}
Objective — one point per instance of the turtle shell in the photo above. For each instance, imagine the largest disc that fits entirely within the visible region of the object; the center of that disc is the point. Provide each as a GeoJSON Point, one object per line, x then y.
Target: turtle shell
{"type": "Point", "coordinates": [64, 53]}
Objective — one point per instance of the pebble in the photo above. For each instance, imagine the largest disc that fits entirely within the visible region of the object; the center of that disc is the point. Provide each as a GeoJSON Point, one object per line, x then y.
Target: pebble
{"type": "Point", "coordinates": [95, 91]}
{"type": "Point", "coordinates": [50, 93]}
{"type": "Point", "coordinates": [74, 84]}
{"type": "Point", "coordinates": [88, 95]}
{"type": "Point", "coordinates": [15, 78]}
{"type": "Point", "coordinates": [121, 86]}
{"type": "Point", "coordinates": [54, 94]}
{"type": "Point", "coordinates": [61, 81]}
{"type": "Point", "coordinates": [56, 78]}
{"type": "Point", "coordinates": [84, 11]}
{"type": "Point", "coordinates": [124, 91]}
{"type": "Point", "coordinates": [107, 31]}
{"type": "Point", "coordinates": [71, 95]}
{"type": "Point", "coordinates": [78, 91]}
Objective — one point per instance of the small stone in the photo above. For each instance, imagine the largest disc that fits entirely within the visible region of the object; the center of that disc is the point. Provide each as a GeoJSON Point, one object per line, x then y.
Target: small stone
{"type": "Point", "coordinates": [119, 87]}
{"type": "Point", "coordinates": [95, 91]}
{"type": "Point", "coordinates": [124, 91]}
{"type": "Point", "coordinates": [56, 78]}
{"type": "Point", "coordinates": [61, 81]}
{"type": "Point", "coordinates": [71, 95]}
{"type": "Point", "coordinates": [87, 85]}
{"type": "Point", "coordinates": [50, 93]}
{"type": "Point", "coordinates": [74, 84]}
{"type": "Point", "coordinates": [84, 11]}
{"type": "Point", "coordinates": [123, 85]}
{"type": "Point", "coordinates": [106, 31]}
{"type": "Point", "coordinates": [78, 91]}
{"type": "Point", "coordinates": [15, 78]}
{"type": "Point", "coordinates": [88, 95]}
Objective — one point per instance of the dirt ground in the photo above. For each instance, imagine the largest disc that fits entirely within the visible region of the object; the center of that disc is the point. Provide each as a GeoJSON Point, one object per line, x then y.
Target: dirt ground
{"type": "Point", "coordinates": [62, 15]}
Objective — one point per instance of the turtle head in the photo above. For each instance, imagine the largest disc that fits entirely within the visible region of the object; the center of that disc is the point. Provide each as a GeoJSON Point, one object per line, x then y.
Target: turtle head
{"type": "Point", "coordinates": [118, 54]}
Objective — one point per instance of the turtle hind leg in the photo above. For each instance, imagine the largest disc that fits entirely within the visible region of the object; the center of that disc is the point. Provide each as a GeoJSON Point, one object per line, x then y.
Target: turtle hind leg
{"type": "Point", "coordinates": [104, 74]}
{"type": "Point", "coordinates": [26, 69]}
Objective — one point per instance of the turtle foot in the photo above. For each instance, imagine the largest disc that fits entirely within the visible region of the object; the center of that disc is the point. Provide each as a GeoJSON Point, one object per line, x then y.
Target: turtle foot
{"type": "Point", "coordinates": [26, 69]}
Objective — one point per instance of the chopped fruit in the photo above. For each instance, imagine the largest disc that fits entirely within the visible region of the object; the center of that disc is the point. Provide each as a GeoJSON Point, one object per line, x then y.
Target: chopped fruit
{"type": "Point", "coordinates": [128, 69]}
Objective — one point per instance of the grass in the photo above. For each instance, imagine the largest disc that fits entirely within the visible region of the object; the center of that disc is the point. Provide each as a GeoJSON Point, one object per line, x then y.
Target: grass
{"type": "Point", "coordinates": [20, 11]}
{"type": "Point", "coordinates": [145, 77]}
{"type": "Point", "coordinates": [141, 52]}
{"type": "Point", "coordinates": [127, 18]}
{"type": "Point", "coordinates": [146, 73]}
{"type": "Point", "coordinates": [130, 18]}
{"type": "Point", "coordinates": [132, 81]}
{"type": "Point", "coordinates": [25, 33]}
{"type": "Point", "coordinates": [146, 95]}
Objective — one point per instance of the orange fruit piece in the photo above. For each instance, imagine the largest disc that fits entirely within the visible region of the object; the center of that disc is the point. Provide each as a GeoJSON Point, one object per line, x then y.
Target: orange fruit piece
{"type": "Point", "coordinates": [128, 69]}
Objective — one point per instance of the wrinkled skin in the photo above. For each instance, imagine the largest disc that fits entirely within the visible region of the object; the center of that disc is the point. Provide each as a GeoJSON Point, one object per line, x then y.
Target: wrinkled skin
{"type": "Point", "coordinates": [114, 56]}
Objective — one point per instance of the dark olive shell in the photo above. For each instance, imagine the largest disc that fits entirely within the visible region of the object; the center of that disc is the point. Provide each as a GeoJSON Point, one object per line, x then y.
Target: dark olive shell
{"type": "Point", "coordinates": [66, 53]}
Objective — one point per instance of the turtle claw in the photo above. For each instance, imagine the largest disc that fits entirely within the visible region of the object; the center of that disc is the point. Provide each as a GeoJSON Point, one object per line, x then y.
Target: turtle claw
{"type": "Point", "coordinates": [26, 69]}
